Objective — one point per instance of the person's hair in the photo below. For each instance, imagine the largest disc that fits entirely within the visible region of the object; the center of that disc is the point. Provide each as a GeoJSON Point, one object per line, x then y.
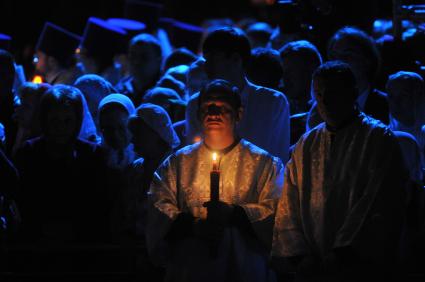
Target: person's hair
{"type": "Point", "coordinates": [301, 48]}
{"type": "Point", "coordinates": [228, 40]}
{"type": "Point", "coordinates": [265, 62]}
{"type": "Point", "coordinates": [337, 73]}
{"type": "Point", "coordinates": [259, 33]}
{"type": "Point", "coordinates": [7, 68]}
{"type": "Point", "coordinates": [366, 44]}
{"type": "Point", "coordinates": [58, 96]}
{"type": "Point", "coordinates": [220, 90]}
{"type": "Point", "coordinates": [33, 89]}
{"type": "Point", "coordinates": [147, 39]}
{"type": "Point", "coordinates": [180, 56]}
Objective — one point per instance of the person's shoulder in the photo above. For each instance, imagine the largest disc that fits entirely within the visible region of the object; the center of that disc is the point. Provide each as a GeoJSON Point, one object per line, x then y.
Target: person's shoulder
{"type": "Point", "coordinates": [375, 124]}
{"type": "Point", "coordinates": [87, 147]}
{"type": "Point", "coordinates": [257, 152]}
{"type": "Point", "coordinates": [265, 91]}
{"type": "Point", "coordinates": [194, 98]}
{"type": "Point", "coordinates": [379, 94]}
{"type": "Point", "coordinates": [378, 130]}
{"type": "Point", "coordinates": [188, 150]}
{"type": "Point", "coordinates": [276, 98]}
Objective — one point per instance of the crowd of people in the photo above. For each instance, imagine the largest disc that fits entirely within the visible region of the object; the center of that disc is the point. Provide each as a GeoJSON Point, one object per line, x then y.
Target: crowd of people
{"type": "Point", "coordinates": [320, 151]}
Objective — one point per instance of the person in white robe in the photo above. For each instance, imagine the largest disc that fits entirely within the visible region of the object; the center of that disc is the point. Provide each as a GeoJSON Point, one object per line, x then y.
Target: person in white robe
{"type": "Point", "coordinates": [197, 239]}
{"type": "Point", "coordinates": [343, 202]}
{"type": "Point", "coordinates": [266, 112]}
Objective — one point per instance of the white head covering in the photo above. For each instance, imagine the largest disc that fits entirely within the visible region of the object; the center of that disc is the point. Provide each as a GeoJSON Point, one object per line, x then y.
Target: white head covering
{"type": "Point", "coordinates": [88, 128]}
{"type": "Point", "coordinates": [413, 84]}
{"type": "Point", "coordinates": [94, 88]}
{"type": "Point", "coordinates": [118, 99]}
{"type": "Point", "coordinates": [159, 120]}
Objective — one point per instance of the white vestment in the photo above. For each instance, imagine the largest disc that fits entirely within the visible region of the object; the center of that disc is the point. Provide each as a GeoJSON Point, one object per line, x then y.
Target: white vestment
{"type": "Point", "coordinates": [343, 189]}
{"type": "Point", "coordinates": [250, 178]}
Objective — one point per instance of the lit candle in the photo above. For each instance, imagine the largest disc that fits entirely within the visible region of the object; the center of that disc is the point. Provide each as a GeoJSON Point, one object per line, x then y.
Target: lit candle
{"type": "Point", "coordinates": [37, 79]}
{"type": "Point", "coordinates": [215, 180]}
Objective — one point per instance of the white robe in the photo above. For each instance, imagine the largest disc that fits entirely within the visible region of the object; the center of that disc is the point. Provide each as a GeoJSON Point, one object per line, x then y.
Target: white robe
{"type": "Point", "coordinates": [250, 178]}
{"type": "Point", "coordinates": [265, 120]}
{"type": "Point", "coordinates": [344, 189]}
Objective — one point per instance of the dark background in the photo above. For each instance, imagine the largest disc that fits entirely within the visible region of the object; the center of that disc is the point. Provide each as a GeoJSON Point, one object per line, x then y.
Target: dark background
{"type": "Point", "coordinates": [23, 20]}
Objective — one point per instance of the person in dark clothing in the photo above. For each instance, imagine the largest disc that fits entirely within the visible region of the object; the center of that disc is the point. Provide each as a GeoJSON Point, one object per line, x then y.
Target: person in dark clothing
{"type": "Point", "coordinates": [61, 195]}
{"type": "Point", "coordinates": [8, 101]}
{"type": "Point", "coordinates": [356, 48]}
{"type": "Point", "coordinates": [145, 58]}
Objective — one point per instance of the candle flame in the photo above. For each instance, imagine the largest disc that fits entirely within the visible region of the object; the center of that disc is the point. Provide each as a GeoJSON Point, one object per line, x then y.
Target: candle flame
{"type": "Point", "coordinates": [37, 79]}
{"type": "Point", "coordinates": [214, 156]}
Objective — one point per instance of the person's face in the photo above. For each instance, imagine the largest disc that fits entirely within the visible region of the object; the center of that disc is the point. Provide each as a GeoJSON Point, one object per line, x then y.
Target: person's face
{"type": "Point", "coordinates": [346, 51]}
{"type": "Point", "coordinates": [145, 140]}
{"type": "Point", "coordinates": [217, 118]}
{"type": "Point", "coordinates": [220, 66]}
{"type": "Point", "coordinates": [113, 124]}
{"type": "Point", "coordinates": [61, 125]}
{"type": "Point", "coordinates": [401, 104]}
{"type": "Point", "coordinates": [196, 79]}
{"type": "Point", "coordinates": [88, 63]}
{"type": "Point", "coordinates": [25, 112]}
{"type": "Point", "coordinates": [296, 77]}
{"type": "Point", "coordinates": [41, 64]}
{"type": "Point", "coordinates": [333, 104]}
{"type": "Point", "coordinates": [143, 61]}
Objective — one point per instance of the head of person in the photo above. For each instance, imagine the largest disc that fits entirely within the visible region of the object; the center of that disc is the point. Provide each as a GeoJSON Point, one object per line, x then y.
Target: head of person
{"type": "Point", "coordinates": [265, 68]}
{"type": "Point", "coordinates": [406, 98]}
{"type": "Point", "coordinates": [28, 112]}
{"type": "Point", "coordinates": [145, 57]}
{"type": "Point", "coordinates": [169, 100]}
{"type": "Point", "coordinates": [196, 77]}
{"type": "Point", "coordinates": [356, 48]}
{"type": "Point", "coordinates": [259, 34]}
{"type": "Point", "coordinates": [94, 88]}
{"type": "Point", "coordinates": [299, 60]}
{"type": "Point", "coordinates": [61, 114]}
{"type": "Point", "coordinates": [219, 109]}
{"type": "Point", "coordinates": [7, 72]}
{"type": "Point", "coordinates": [180, 56]}
{"type": "Point", "coordinates": [168, 81]}
{"type": "Point", "coordinates": [100, 43]}
{"type": "Point", "coordinates": [152, 132]}
{"type": "Point", "coordinates": [227, 52]}
{"type": "Point", "coordinates": [55, 49]}
{"type": "Point", "coordinates": [114, 111]}
{"type": "Point", "coordinates": [335, 90]}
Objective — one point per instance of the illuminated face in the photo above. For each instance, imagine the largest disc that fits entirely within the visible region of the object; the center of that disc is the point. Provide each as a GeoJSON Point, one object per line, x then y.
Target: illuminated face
{"type": "Point", "coordinates": [334, 106]}
{"type": "Point", "coordinates": [113, 124]}
{"type": "Point", "coordinates": [61, 125]}
{"type": "Point", "coordinates": [217, 117]}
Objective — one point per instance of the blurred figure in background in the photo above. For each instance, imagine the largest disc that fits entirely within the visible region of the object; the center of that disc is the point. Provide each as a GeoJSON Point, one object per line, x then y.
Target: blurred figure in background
{"type": "Point", "coordinates": [55, 55]}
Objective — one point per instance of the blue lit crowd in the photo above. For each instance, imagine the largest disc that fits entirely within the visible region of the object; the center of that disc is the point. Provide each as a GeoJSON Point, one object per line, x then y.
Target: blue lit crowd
{"type": "Point", "coordinates": [105, 150]}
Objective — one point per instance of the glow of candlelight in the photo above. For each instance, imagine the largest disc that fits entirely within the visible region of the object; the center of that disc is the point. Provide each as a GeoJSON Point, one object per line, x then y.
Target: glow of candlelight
{"type": "Point", "coordinates": [37, 79]}
{"type": "Point", "coordinates": [214, 159]}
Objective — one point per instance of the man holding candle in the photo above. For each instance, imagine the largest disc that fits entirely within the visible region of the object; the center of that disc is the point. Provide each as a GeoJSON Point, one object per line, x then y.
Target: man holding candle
{"type": "Point", "coordinates": [212, 220]}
